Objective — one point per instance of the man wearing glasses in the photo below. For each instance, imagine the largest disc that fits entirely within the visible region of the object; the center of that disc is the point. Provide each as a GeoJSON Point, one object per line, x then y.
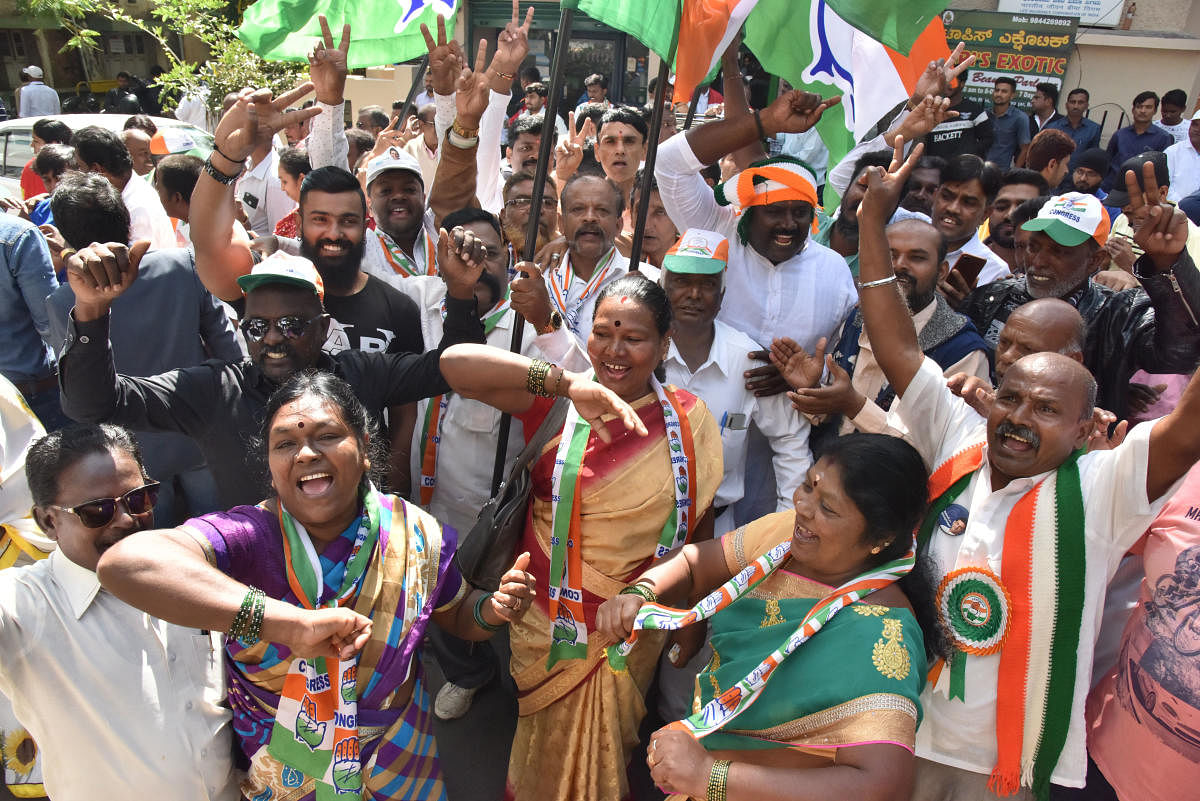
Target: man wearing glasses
{"type": "Point", "coordinates": [116, 700]}
{"type": "Point", "coordinates": [220, 404]}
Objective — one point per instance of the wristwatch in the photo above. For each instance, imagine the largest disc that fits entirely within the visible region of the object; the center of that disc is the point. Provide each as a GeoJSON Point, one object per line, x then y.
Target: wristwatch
{"type": "Point", "coordinates": [555, 323]}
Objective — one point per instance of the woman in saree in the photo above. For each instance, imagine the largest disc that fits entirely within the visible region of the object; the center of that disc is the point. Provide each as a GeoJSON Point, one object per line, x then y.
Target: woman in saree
{"type": "Point", "coordinates": [326, 590]}
{"type": "Point", "coordinates": [609, 497]}
{"type": "Point", "coordinates": [836, 715]}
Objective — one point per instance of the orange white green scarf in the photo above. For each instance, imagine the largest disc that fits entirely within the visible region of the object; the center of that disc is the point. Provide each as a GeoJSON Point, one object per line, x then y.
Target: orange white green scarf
{"type": "Point", "coordinates": [560, 287]}
{"type": "Point", "coordinates": [401, 262]}
{"type": "Point", "coordinates": [568, 636]}
{"type": "Point", "coordinates": [728, 705]}
{"type": "Point", "coordinates": [316, 723]}
{"type": "Point", "coordinates": [1043, 568]}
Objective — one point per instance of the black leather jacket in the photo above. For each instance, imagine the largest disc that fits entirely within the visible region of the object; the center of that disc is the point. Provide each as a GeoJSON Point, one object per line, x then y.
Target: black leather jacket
{"type": "Point", "coordinates": [1156, 330]}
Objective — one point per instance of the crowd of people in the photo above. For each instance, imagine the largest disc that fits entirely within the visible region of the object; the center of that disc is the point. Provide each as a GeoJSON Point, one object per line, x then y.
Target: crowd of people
{"type": "Point", "coordinates": [935, 402]}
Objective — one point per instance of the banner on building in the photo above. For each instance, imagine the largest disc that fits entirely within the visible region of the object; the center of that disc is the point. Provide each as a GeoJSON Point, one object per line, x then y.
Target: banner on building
{"type": "Point", "coordinates": [1030, 48]}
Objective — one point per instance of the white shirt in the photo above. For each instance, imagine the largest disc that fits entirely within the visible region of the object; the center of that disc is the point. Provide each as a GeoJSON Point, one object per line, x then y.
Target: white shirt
{"type": "Point", "coordinates": [1179, 130]}
{"type": "Point", "coordinates": [1183, 165]}
{"type": "Point", "coordinates": [262, 197]}
{"type": "Point", "coordinates": [996, 267]}
{"type": "Point", "coordinates": [489, 182]}
{"type": "Point", "coordinates": [38, 100]}
{"type": "Point", "coordinates": [805, 297]}
{"type": "Point", "coordinates": [119, 702]}
{"type": "Point", "coordinates": [467, 451]}
{"type": "Point", "coordinates": [147, 218]}
{"type": "Point", "coordinates": [1116, 512]}
{"type": "Point", "coordinates": [422, 100]}
{"type": "Point", "coordinates": [579, 310]}
{"type": "Point", "coordinates": [193, 109]}
{"type": "Point", "coordinates": [326, 142]}
{"type": "Point", "coordinates": [718, 382]}
{"type": "Point", "coordinates": [375, 257]}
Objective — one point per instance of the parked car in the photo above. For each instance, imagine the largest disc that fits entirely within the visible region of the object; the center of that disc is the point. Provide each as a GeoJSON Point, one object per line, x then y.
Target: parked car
{"type": "Point", "coordinates": [16, 141]}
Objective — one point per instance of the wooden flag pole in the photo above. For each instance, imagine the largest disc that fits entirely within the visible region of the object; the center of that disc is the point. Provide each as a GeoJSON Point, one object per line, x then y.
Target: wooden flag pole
{"type": "Point", "coordinates": [660, 95]}
{"type": "Point", "coordinates": [535, 209]}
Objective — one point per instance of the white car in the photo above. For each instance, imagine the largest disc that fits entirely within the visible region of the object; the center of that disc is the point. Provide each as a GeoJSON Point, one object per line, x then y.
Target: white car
{"type": "Point", "coordinates": [16, 140]}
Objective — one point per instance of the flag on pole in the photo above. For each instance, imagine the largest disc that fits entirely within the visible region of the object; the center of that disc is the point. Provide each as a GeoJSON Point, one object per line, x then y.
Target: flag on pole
{"type": "Point", "coordinates": [869, 51]}
{"type": "Point", "coordinates": [382, 31]}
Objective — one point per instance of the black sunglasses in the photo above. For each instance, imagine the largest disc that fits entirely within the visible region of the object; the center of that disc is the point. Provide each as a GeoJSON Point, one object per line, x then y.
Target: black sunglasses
{"type": "Point", "coordinates": [292, 326]}
{"type": "Point", "coordinates": [100, 512]}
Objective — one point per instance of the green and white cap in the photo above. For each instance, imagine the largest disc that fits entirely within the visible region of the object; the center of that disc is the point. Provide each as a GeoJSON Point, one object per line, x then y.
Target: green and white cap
{"type": "Point", "coordinates": [698, 252]}
{"type": "Point", "coordinates": [1071, 220]}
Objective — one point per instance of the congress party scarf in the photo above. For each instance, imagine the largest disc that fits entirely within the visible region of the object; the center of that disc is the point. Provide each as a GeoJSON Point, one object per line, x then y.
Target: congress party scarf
{"type": "Point", "coordinates": [731, 703]}
{"type": "Point", "coordinates": [560, 286]}
{"type": "Point", "coordinates": [568, 636]}
{"type": "Point", "coordinates": [400, 261]}
{"type": "Point", "coordinates": [1043, 566]}
{"type": "Point", "coordinates": [316, 725]}
{"type": "Point", "coordinates": [435, 412]}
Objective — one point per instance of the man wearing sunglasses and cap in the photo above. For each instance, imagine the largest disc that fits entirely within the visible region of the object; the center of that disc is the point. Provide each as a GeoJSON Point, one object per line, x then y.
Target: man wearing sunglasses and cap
{"type": "Point", "coordinates": [117, 701]}
{"type": "Point", "coordinates": [220, 404]}
{"type": "Point", "coordinates": [1157, 330]}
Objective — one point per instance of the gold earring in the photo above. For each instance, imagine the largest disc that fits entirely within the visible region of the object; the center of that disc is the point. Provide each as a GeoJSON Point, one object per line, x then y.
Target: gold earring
{"type": "Point", "coordinates": [876, 549]}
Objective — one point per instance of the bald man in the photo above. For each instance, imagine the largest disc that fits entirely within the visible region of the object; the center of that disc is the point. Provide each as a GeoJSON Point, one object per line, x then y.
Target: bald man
{"type": "Point", "coordinates": [137, 142]}
{"type": "Point", "coordinates": [1043, 325]}
{"type": "Point", "coordinates": [1045, 526]}
{"type": "Point", "coordinates": [857, 396]}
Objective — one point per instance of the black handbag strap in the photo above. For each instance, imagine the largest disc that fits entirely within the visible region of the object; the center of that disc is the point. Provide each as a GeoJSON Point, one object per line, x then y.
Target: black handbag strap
{"type": "Point", "coordinates": [551, 424]}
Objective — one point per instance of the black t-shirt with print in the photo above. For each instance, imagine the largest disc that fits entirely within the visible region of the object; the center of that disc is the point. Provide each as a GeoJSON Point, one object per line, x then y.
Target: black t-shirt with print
{"type": "Point", "coordinates": [378, 318]}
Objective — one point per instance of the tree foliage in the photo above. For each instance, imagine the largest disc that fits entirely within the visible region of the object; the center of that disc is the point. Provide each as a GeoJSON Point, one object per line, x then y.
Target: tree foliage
{"type": "Point", "coordinates": [229, 68]}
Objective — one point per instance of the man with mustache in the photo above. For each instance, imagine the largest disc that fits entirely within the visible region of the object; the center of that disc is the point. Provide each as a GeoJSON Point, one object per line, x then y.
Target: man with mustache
{"type": "Point", "coordinates": [1045, 527]}
{"type": "Point", "coordinates": [858, 396]}
{"type": "Point", "coordinates": [779, 282]}
{"type": "Point", "coordinates": [89, 675]}
{"type": "Point", "coordinates": [660, 234]}
{"type": "Point", "coordinates": [1017, 186]}
{"type": "Point", "coordinates": [1156, 330]}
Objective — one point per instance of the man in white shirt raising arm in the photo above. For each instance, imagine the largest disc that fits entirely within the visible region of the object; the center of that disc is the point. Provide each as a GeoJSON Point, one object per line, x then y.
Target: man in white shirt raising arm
{"type": "Point", "coordinates": [1025, 528]}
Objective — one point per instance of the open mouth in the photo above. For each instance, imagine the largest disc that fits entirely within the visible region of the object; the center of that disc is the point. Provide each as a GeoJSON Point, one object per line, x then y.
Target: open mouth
{"type": "Point", "coordinates": [783, 240]}
{"type": "Point", "coordinates": [315, 484]}
{"type": "Point", "coordinates": [276, 355]}
{"type": "Point", "coordinates": [334, 249]}
{"type": "Point", "coordinates": [803, 535]}
{"type": "Point", "coordinates": [949, 222]}
{"type": "Point", "coordinates": [616, 371]}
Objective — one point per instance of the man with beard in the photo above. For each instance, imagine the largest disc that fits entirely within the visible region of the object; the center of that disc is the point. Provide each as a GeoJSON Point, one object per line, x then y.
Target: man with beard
{"type": "Point", "coordinates": [89, 675]}
{"type": "Point", "coordinates": [1155, 330]}
{"type": "Point", "coordinates": [1044, 522]}
{"type": "Point", "coordinates": [779, 283]}
{"type": "Point", "coordinates": [969, 185]}
{"type": "Point", "coordinates": [518, 201]}
{"type": "Point", "coordinates": [839, 232]}
{"type": "Point", "coordinates": [452, 447]}
{"type": "Point", "coordinates": [220, 404]}
{"type": "Point", "coordinates": [1017, 186]}
{"type": "Point", "coordinates": [858, 396]}
{"type": "Point", "coordinates": [1090, 168]}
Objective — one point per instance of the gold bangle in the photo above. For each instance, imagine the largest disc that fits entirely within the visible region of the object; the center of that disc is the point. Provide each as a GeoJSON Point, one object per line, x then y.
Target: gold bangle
{"type": "Point", "coordinates": [465, 133]}
{"type": "Point", "coordinates": [558, 381]}
{"type": "Point", "coordinates": [642, 589]}
{"type": "Point", "coordinates": [508, 76]}
{"type": "Point", "coordinates": [718, 777]}
{"type": "Point", "coordinates": [535, 379]}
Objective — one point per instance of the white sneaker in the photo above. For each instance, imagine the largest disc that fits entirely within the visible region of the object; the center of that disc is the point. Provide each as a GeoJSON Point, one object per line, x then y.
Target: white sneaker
{"type": "Point", "coordinates": [452, 701]}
